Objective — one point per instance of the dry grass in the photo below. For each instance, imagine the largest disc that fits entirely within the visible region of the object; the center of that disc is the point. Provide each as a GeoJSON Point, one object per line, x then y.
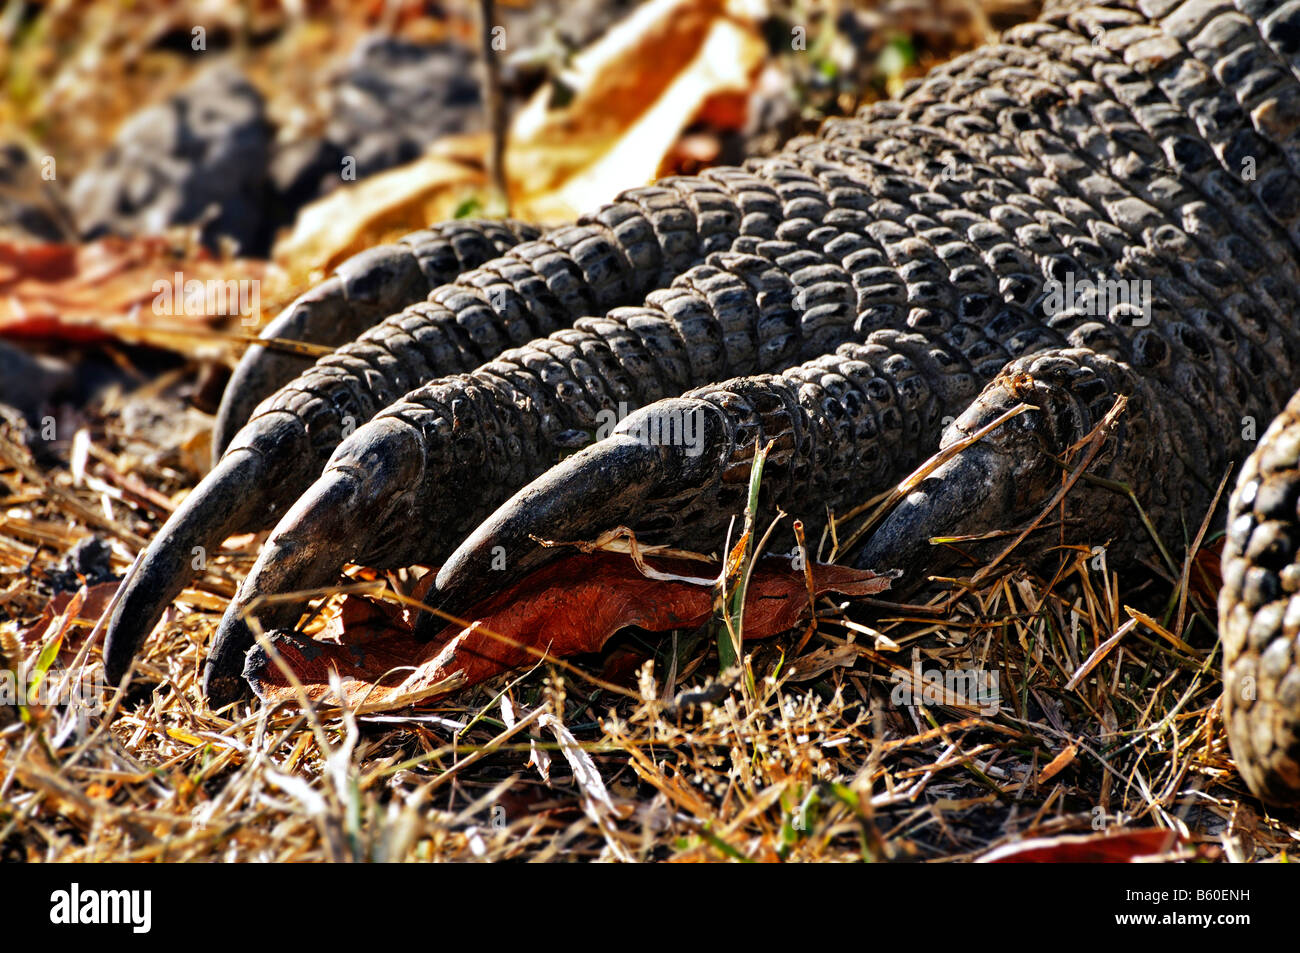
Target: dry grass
{"type": "Point", "coordinates": [1107, 716]}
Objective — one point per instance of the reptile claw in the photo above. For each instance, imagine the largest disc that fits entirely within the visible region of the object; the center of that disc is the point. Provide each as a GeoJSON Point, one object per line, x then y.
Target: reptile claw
{"type": "Point", "coordinates": [331, 524]}
{"type": "Point", "coordinates": [1116, 274]}
{"type": "Point", "coordinates": [973, 491]}
{"type": "Point", "coordinates": [231, 496]}
{"type": "Point", "coordinates": [1028, 463]}
{"type": "Point", "coordinates": [618, 480]}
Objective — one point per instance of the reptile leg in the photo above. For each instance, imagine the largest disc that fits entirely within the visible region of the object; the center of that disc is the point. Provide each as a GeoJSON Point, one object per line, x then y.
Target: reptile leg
{"type": "Point", "coordinates": [615, 257]}
{"type": "Point", "coordinates": [1258, 614]}
{"type": "Point", "coordinates": [1153, 141]}
{"type": "Point", "coordinates": [484, 436]}
{"type": "Point", "coordinates": [363, 290]}
{"type": "Point", "coordinates": [413, 481]}
{"type": "Point", "coordinates": [1166, 253]}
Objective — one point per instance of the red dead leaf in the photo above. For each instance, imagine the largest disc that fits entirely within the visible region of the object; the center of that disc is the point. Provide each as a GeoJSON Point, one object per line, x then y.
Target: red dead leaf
{"type": "Point", "coordinates": [87, 604]}
{"type": "Point", "coordinates": [568, 607]}
{"type": "Point", "coordinates": [79, 292]}
{"type": "Point", "coordinates": [1123, 847]}
{"type": "Point", "coordinates": [1207, 572]}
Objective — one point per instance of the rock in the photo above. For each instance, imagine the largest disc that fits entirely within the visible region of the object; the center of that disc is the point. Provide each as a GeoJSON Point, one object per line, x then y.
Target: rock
{"type": "Point", "coordinates": [395, 97]}
{"type": "Point", "coordinates": [303, 170]}
{"type": "Point", "coordinates": [30, 384]}
{"type": "Point", "coordinates": [200, 157]}
{"type": "Point", "coordinates": [88, 559]}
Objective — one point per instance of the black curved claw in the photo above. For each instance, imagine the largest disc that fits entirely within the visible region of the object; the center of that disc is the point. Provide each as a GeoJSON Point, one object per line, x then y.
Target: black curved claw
{"type": "Point", "coordinates": [974, 491]}
{"type": "Point", "coordinates": [623, 479]}
{"type": "Point", "coordinates": [229, 498]}
{"type": "Point", "coordinates": [1015, 470]}
{"type": "Point", "coordinates": [327, 527]}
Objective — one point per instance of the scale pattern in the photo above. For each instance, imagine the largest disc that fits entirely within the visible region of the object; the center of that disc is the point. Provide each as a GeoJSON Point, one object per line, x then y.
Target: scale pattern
{"type": "Point", "coordinates": [362, 291]}
{"type": "Point", "coordinates": [1105, 204]}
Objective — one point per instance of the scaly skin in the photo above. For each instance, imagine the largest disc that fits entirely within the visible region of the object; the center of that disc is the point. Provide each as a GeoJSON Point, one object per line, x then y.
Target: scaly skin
{"type": "Point", "coordinates": [438, 507]}
{"type": "Point", "coordinates": [616, 256]}
{"type": "Point", "coordinates": [847, 426]}
{"type": "Point", "coordinates": [469, 440]}
{"type": "Point", "coordinates": [1259, 614]}
{"type": "Point", "coordinates": [907, 283]}
{"type": "Point", "coordinates": [363, 291]}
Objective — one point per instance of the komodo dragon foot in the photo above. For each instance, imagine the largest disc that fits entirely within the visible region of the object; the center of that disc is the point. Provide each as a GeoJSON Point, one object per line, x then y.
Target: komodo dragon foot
{"type": "Point", "coordinates": [1097, 218]}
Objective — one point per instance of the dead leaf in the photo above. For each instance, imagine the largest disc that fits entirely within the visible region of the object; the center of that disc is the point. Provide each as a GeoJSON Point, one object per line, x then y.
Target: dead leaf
{"type": "Point", "coordinates": [633, 94]}
{"type": "Point", "coordinates": [567, 607]}
{"type": "Point", "coordinates": [383, 207]}
{"type": "Point", "coordinates": [109, 289]}
{"type": "Point", "coordinates": [1121, 847]}
{"type": "Point", "coordinates": [85, 605]}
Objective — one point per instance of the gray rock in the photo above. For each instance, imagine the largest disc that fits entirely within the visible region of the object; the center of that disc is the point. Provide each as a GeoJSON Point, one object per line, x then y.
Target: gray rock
{"type": "Point", "coordinates": [395, 97]}
{"type": "Point", "coordinates": [200, 157]}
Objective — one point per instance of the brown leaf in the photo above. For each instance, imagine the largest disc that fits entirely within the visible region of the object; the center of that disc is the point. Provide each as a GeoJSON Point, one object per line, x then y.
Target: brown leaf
{"type": "Point", "coordinates": [565, 608]}
{"type": "Point", "coordinates": [1207, 574]}
{"type": "Point", "coordinates": [1121, 847]}
{"type": "Point", "coordinates": [632, 94]}
{"type": "Point", "coordinates": [87, 604]}
{"type": "Point", "coordinates": [87, 292]}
